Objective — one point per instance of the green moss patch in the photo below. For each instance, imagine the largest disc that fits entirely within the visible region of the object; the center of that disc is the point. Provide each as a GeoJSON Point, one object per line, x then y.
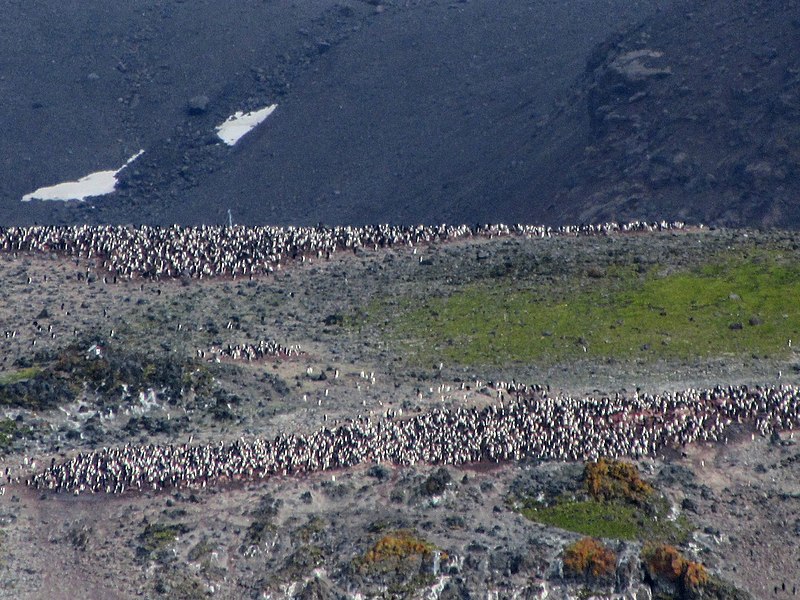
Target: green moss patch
{"type": "Point", "coordinates": [731, 305]}
{"type": "Point", "coordinates": [9, 431]}
{"type": "Point", "coordinates": [157, 537]}
{"type": "Point", "coordinates": [615, 503]}
{"type": "Point", "coordinates": [19, 375]}
{"type": "Point", "coordinates": [613, 520]}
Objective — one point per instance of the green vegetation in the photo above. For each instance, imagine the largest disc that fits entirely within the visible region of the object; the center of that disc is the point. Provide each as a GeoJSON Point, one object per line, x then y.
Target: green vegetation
{"type": "Point", "coordinates": [402, 560]}
{"type": "Point", "coordinates": [19, 375]}
{"type": "Point", "coordinates": [397, 547]}
{"type": "Point", "coordinates": [42, 390]}
{"type": "Point", "coordinates": [731, 304]}
{"type": "Point", "coordinates": [200, 550]}
{"type": "Point", "coordinates": [58, 377]}
{"type": "Point", "coordinates": [9, 431]}
{"type": "Point", "coordinates": [611, 520]}
{"type": "Point", "coordinates": [666, 563]}
{"type": "Point", "coordinates": [616, 480]}
{"type": "Point", "coordinates": [617, 504]}
{"type": "Point", "coordinates": [157, 537]}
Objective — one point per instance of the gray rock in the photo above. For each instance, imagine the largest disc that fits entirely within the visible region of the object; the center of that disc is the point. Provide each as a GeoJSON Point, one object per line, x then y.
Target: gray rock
{"type": "Point", "coordinates": [316, 589]}
{"type": "Point", "coordinates": [198, 105]}
{"type": "Point", "coordinates": [455, 590]}
{"type": "Point", "coordinates": [639, 65]}
{"type": "Point", "coordinates": [629, 572]}
{"type": "Point", "coordinates": [436, 483]}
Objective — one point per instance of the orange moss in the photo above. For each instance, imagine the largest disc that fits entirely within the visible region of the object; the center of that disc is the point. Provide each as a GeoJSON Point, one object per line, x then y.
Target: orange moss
{"type": "Point", "coordinates": [666, 562]}
{"type": "Point", "coordinates": [695, 576]}
{"type": "Point", "coordinates": [399, 544]}
{"type": "Point", "coordinates": [614, 479]}
{"type": "Point", "coordinates": [588, 556]}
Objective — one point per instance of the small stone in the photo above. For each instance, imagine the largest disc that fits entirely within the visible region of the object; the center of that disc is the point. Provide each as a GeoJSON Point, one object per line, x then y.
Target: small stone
{"type": "Point", "coordinates": [198, 105]}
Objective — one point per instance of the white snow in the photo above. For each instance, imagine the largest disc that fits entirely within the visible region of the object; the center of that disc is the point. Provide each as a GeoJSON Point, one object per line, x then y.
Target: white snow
{"type": "Point", "coordinates": [94, 184]}
{"type": "Point", "coordinates": [239, 124]}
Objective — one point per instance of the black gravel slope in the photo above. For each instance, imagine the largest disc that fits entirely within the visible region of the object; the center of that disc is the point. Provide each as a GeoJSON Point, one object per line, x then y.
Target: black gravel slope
{"type": "Point", "coordinates": [406, 111]}
{"type": "Point", "coordinates": [694, 115]}
{"type": "Point", "coordinates": [402, 111]}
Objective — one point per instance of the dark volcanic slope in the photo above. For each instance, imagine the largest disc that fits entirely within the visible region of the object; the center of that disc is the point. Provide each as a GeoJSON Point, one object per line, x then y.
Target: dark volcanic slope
{"type": "Point", "coordinates": [87, 84]}
{"type": "Point", "coordinates": [694, 115]}
{"type": "Point", "coordinates": [404, 111]}
{"type": "Point", "coordinates": [408, 111]}
{"type": "Point", "coordinates": [408, 119]}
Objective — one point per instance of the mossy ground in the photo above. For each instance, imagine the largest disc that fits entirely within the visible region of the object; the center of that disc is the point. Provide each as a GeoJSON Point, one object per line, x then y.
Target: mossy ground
{"type": "Point", "coordinates": [9, 431]}
{"type": "Point", "coordinates": [157, 537]}
{"type": "Point", "coordinates": [611, 520]}
{"type": "Point", "coordinates": [59, 377]}
{"type": "Point", "coordinates": [398, 559]}
{"type": "Point", "coordinates": [616, 503]}
{"type": "Point", "coordinates": [397, 545]}
{"type": "Point", "coordinates": [739, 303]}
{"type": "Point", "coordinates": [19, 375]}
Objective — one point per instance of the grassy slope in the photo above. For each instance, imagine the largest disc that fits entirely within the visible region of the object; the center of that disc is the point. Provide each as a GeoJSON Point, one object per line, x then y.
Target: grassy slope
{"type": "Point", "coordinates": [618, 312]}
{"type": "Point", "coordinates": [615, 520]}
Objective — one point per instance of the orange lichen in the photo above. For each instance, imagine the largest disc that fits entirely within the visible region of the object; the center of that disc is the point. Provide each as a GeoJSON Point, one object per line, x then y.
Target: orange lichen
{"type": "Point", "coordinates": [398, 545]}
{"type": "Point", "coordinates": [695, 576]}
{"type": "Point", "coordinates": [587, 557]}
{"type": "Point", "coordinates": [667, 563]}
{"type": "Point", "coordinates": [664, 561]}
{"type": "Point", "coordinates": [615, 480]}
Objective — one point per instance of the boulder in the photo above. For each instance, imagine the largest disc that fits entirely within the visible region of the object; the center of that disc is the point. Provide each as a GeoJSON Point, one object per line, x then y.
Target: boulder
{"type": "Point", "coordinates": [198, 105]}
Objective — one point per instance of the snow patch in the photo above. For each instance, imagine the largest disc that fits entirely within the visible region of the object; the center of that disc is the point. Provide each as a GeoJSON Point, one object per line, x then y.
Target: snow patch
{"type": "Point", "coordinates": [94, 184]}
{"type": "Point", "coordinates": [240, 124]}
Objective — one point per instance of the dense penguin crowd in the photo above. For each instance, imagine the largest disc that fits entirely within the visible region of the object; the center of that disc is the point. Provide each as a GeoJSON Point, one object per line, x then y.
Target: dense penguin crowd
{"type": "Point", "coordinates": [208, 251]}
{"type": "Point", "coordinates": [249, 352]}
{"type": "Point", "coordinates": [530, 426]}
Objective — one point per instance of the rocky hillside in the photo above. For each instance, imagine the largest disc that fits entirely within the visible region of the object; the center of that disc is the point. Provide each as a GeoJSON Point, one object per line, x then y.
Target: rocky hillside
{"type": "Point", "coordinates": [695, 114]}
{"type": "Point", "coordinates": [88, 361]}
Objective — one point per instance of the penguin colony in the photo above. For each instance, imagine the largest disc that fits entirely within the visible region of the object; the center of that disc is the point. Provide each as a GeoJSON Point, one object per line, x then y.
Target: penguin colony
{"type": "Point", "coordinates": [531, 426]}
{"type": "Point", "coordinates": [209, 251]}
{"type": "Point", "coordinates": [250, 352]}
